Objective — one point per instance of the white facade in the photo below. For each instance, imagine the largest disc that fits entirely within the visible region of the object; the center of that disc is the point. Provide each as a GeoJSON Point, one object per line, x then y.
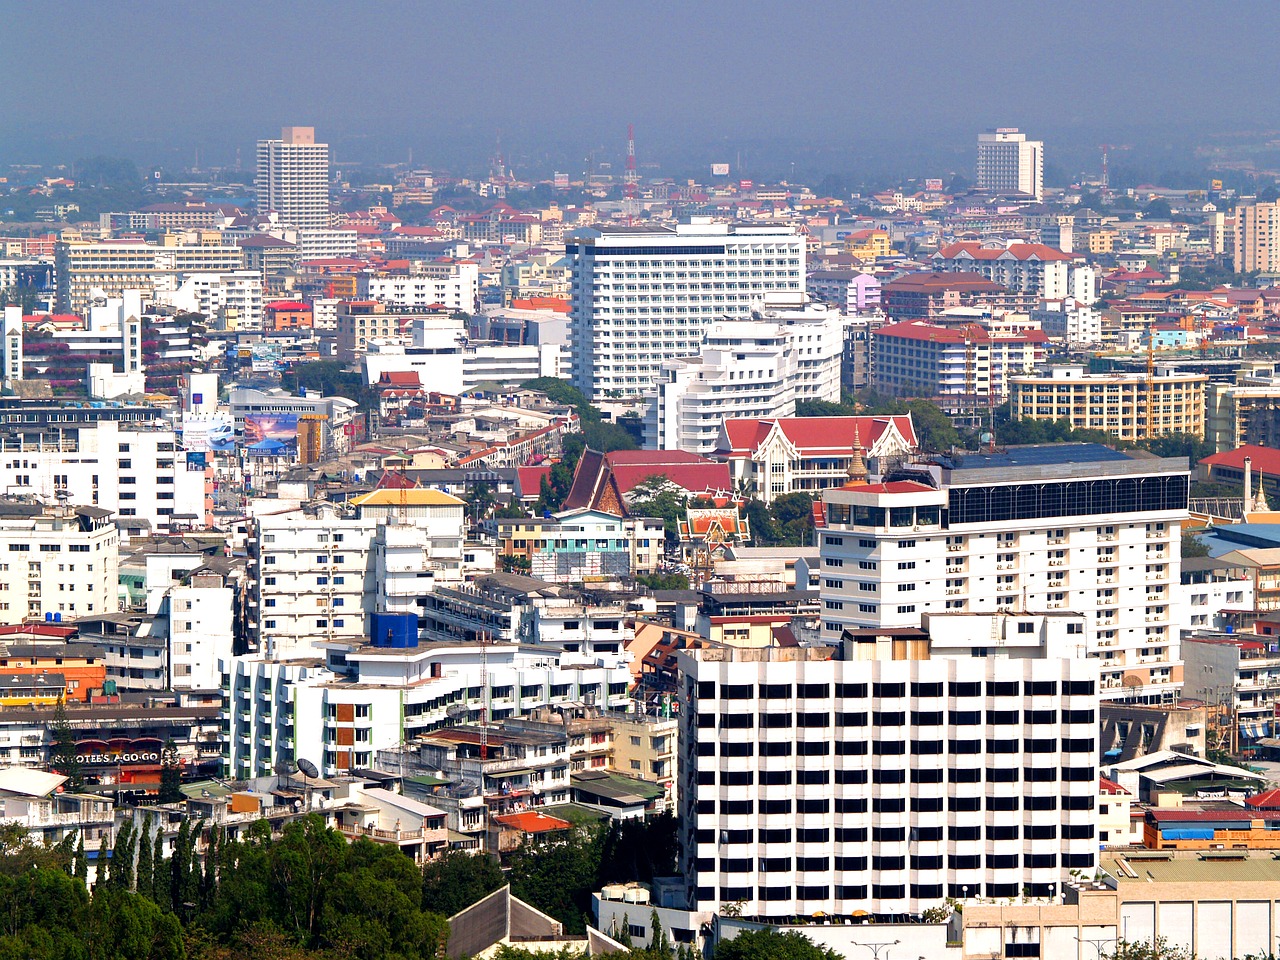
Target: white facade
{"type": "Point", "coordinates": [11, 367]}
{"type": "Point", "coordinates": [64, 563]}
{"type": "Point", "coordinates": [746, 369]}
{"type": "Point", "coordinates": [234, 298]}
{"type": "Point", "coordinates": [453, 285]}
{"type": "Point", "coordinates": [312, 581]}
{"type": "Point", "coordinates": [293, 178]}
{"type": "Point", "coordinates": [819, 786]}
{"type": "Point", "coordinates": [87, 268]}
{"type": "Point", "coordinates": [281, 709]}
{"type": "Point", "coordinates": [1010, 164]}
{"type": "Point", "coordinates": [1087, 530]}
{"type": "Point", "coordinates": [1069, 320]}
{"type": "Point", "coordinates": [200, 630]}
{"type": "Point", "coordinates": [460, 367]}
{"type": "Point", "coordinates": [790, 350]}
{"type": "Point", "coordinates": [641, 297]}
{"type": "Point", "coordinates": [132, 473]}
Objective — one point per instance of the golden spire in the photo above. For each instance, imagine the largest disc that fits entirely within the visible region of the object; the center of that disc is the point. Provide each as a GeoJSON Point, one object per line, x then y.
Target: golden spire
{"type": "Point", "coordinates": [858, 471]}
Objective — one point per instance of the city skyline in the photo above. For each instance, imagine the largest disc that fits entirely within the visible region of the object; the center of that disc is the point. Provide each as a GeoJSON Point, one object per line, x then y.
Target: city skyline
{"type": "Point", "coordinates": [1060, 81]}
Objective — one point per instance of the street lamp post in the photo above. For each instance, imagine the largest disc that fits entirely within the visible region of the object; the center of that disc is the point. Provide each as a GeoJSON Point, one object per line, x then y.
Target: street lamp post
{"type": "Point", "coordinates": [875, 948]}
{"type": "Point", "coordinates": [1097, 943]}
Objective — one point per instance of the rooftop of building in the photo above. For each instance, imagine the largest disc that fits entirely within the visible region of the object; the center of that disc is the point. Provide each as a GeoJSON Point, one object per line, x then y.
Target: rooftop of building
{"type": "Point", "coordinates": [1233, 866]}
{"type": "Point", "coordinates": [1038, 455]}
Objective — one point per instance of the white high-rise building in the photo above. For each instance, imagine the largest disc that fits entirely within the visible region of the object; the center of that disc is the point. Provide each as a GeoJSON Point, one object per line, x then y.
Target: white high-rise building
{"type": "Point", "coordinates": [293, 178]}
{"type": "Point", "coordinates": [892, 777]}
{"type": "Point", "coordinates": [1077, 527]}
{"type": "Point", "coordinates": [643, 296]}
{"type": "Point", "coordinates": [790, 350]}
{"type": "Point", "coordinates": [232, 299]}
{"type": "Point", "coordinates": [11, 369]}
{"type": "Point", "coordinates": [1011, 165]}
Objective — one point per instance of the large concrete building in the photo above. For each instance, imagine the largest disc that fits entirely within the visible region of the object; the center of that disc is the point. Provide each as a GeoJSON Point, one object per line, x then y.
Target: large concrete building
{"type": "Point", "coordinates": [58, 561]}
{"type": "Point", "coordinates": [892, 778]}
{"type": "Point", "coordinates": [293, 178]}
{"type": "Point", "coordinates": [1129, 406]}
{"type": "Point", "coordinates": [1010, 165]}
{"type": "Point", "coordinates": [1076, 527]}
{"type": "Point", "coordinates": [1257, 245]}
{"type": "Point", "coordinates": [919, 359]}
{"type": "Point", "coordinates": [86, 269]}
{"type": "Point", "coordinates": [643, 296]}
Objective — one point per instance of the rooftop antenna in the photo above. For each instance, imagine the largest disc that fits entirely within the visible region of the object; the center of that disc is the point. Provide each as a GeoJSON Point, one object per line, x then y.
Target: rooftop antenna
{"type": "Point", "coordinates": [631, 178]}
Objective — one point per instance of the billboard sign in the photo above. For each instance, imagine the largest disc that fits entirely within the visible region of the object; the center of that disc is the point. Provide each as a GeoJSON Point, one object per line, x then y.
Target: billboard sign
{"type": "Point", "coordinates": [271, 434]}
{"type": "Point", "coordinates": [719, 169]}
{"type": "Point", "coordinates": [119, 751]}
{"type": "Point", "coordinates": [208, 433]}
{"type": "Point", "coordinates": [933, 184]}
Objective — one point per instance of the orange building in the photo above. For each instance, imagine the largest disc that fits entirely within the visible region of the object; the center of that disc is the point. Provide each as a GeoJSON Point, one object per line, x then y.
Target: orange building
{"type": "Point", "coordinates": [286, 315]}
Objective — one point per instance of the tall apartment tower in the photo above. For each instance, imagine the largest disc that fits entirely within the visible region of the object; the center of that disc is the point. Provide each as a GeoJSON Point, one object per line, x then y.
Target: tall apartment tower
{"type": "Point", "coordinates": [1257, 237]}
{"type": "Point", "coordinates": [892, 775]}
{"type": "Point", "coordinates": [11, 369]}
{"type": "Point", "coordinates": [1077, 527]}
{"type": "Point", "coordinates": [1011, 165]}
{"type": "Point", "coordinates": [293, 178]}
{"type": "Point", "coordinates": [643, 296]}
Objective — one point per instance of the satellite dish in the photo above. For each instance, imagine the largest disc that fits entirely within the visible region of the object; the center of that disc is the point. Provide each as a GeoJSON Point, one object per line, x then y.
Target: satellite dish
{"type": "Point", "coordinates": [455, 710]}
{"type": "Point", "coordinates": [285, 768]}
{"type": "Point", "coordinates": [307, 768]}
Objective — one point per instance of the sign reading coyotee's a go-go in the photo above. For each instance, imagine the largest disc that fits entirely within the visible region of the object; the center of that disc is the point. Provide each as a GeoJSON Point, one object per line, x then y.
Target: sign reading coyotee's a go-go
{"type": "Point", "coordinates": [121, 752]}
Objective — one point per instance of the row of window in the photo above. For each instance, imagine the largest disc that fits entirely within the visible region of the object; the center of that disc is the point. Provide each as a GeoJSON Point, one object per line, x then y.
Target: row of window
{"type": "Point", "coordinates": [773, 778]}
{"type": "Point", "coordinates": [1007, 803]}
{"type": "Point", "coordinates": [706, 689]}
{"type": "Point", "coordinates": [892, 891]}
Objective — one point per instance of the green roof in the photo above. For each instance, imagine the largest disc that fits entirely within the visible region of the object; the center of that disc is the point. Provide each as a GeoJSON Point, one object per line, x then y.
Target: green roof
{"type": "Point", "coordinates": [426, 780]}
{"type": "Point", "coordinates": [574, 813]}
{"type": "Point", "coordinates": [1256, 868]}
{"type": "Point", "coordinates": [616, 786]}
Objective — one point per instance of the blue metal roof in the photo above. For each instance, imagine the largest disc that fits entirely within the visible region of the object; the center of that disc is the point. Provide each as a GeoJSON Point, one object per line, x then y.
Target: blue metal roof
{"type": "Point", "coordinates": [1040, 455]}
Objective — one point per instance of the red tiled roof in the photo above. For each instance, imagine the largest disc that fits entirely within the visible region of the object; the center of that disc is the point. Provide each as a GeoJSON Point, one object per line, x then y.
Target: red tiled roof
{"type": "Point", "coordinates": [1265, 459]}
{"type": "Point", "coordinates": [1016, 251]}
{"type": "Point", "coordinates": [400, 378]}
{"type": "Point", "coordinates": [1111, 787]}
{"type": "Point", "coordinates": [529, 479]}
{"type": "Point", "coordinates": [532, 822]}
{"type": "Point", "coordinates": [1267, 800]}
{"type": "Point", "coordinates": [894, 486]}
{"type": "Point", "coordinates": [965, 333]}
{"type": "Point", "coordinates": [815, 435]}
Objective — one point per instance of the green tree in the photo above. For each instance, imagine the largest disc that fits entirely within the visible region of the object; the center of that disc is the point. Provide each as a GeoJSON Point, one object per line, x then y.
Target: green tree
{"type": "Point", "coordinates": [170, 774]}
{"type": "Point", "coordinates": [146, 865]}
{"type": "Point", "coordinates": [772, 945]}
{"type": "Point", "coordinates": [663, 581]}
{"type": "Point", "coordinates": [81, 871]}
{"type": "Point", "coordinates": [65, 758]}
{"type": "Point", "coordinates": [457, 880]}
{"type": "Point", "coordinates": [123, 858]}
{"type": "Point", "coordinates": [559, 876]}
{"type": "Point", "coordinates": [1155, 949]}
{"type": "Point", "coordinates": [793, 519]}
{"type": "Point", "coordinates": [656, 496]}
{"type": "Point", "coordinates": [1193, 546]}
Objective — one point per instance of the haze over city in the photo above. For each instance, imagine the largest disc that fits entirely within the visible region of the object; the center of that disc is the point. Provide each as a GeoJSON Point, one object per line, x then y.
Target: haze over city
{"type": "Point", "coordinates": [857, 89]}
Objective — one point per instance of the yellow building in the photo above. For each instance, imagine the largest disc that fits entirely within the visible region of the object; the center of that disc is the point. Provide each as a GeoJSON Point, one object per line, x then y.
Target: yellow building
{"type": "Point", "coordinates": [1102, 241]}
{"type": "Point", "coordinates": [1129, 406]}
{"type": "Point", "coordinates": [867, 245]}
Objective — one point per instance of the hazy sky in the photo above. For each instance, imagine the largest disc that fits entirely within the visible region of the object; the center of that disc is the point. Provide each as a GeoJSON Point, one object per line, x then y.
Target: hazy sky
{"type": "Point", "coordinates": [159, 80]}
